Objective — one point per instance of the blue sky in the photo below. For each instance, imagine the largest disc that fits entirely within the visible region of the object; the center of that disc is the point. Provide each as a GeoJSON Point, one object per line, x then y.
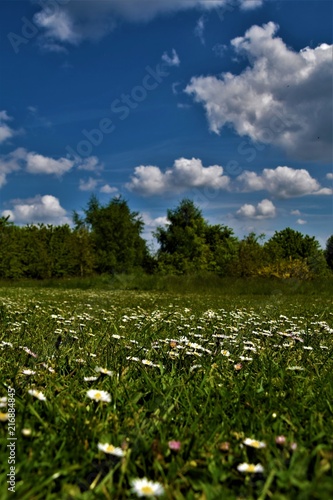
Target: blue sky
{"type": "Point", "coordinates": [226, 102]}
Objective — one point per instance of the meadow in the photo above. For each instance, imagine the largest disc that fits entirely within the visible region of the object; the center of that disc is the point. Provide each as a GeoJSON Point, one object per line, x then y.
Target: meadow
{"type": "Point", "coordinates": [208, 393]}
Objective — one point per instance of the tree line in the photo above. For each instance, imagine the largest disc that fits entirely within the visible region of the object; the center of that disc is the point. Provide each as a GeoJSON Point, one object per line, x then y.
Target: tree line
{"type": "Point", "coordinates": [108, 240]}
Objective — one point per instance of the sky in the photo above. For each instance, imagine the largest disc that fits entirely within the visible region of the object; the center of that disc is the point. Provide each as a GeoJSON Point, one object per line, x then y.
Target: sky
{"type": "Point", "coordinates": [225, 102]}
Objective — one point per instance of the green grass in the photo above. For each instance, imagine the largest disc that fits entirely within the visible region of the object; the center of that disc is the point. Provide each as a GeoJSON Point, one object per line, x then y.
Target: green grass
{"type": "Point", "coordinates": [194, 394]}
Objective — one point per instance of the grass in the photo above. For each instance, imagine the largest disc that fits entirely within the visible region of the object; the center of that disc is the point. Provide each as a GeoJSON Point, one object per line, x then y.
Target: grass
{"type": "Point", "coordinates": [228, 363]}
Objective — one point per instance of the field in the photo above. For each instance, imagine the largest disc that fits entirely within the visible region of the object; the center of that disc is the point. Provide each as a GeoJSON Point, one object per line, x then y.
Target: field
{"type": "Point", "coordinates": [211, 395]}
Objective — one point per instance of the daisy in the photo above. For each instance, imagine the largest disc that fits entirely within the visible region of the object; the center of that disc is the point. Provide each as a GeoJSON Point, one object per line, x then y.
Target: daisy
{"type": "Point", "coordinates": [110, 449]}
{"type": "Point", "coordinates": [37, 394]}
{"type": "Point", "coordinates": [99, 395]}
{"type": "Point", "coordinates": [145, 488]}
{"type": "Point", "coordinates": [244, 467]}
{"type": "Point", "coordinates": [90, 379]}
{"type": "Point", "coordinates": [28, 372]}
{"type": "Point", "coordinates": [103, 371]}
{"type": "Point", "coordinates": [3, 417]}
{"type": "Point", "coordinates": [254, 443]}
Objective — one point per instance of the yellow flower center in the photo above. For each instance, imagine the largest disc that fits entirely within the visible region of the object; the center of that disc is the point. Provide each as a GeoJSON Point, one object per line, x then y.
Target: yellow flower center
{"type": "Point", "coordinates": [110, 448]}
{"type": "Point", "coordinates": [98, 395]}
{"type": "Point", "coordinates": [147, 490]}
{"type": "Point", "coordinates": [251, 468]}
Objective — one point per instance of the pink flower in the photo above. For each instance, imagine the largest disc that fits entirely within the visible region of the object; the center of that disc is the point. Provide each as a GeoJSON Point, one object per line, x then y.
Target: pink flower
{"type": "Point", "coordinates": [280, 440]}
{"type": "Point", "coordinates": [174, 445]}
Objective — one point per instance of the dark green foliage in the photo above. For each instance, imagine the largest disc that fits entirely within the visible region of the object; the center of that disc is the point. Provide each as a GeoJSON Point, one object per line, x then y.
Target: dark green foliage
{"type": "Point", "coordinates": [329, 252]}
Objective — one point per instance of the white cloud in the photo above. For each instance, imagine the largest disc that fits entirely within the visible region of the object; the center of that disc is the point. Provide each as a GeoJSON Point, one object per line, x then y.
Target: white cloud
{"type": "Point", "coordinates": [173, 60]}
{"type": "Point", "coordinates": [39, 164]}
{"type": "Point", "coordinates": [183, 175]}
{"type": "Point", "coordinates": [301, 222]}
{"type": "Point", "coordinates": [9, 163]}
{"type": "Point", "coordinates": [329, 176]}
{"type": "Point", "coordinates": [91, 164]}
{"type": "Point", "coordinates": [199, 30]}
{"type": "Point", "coordinates": [295, 212]}
{"type": "Point", "coordinates": [107, 189]}
{"type": "Point", "coordinates": [77, 21]}
{"type": "Point", "coordinates": [282, 98]}
{"type": "Point", "coordinates": [5, 131]}
{"type": "Point", "coordinates": [88, 185]}
{"type": "Point", "coordinates": [46, 209]}
{"type": "Point", "coordinates": [282, 182]}
{"type": "Point", "coordinates": [264, 210]}
{"type": "Point", "coordinates": [250, 4]}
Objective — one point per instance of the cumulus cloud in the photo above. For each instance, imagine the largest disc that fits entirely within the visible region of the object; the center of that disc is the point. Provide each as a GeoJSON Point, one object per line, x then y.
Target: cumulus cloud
{"type": "Point", "coordinates": [295, 212]}
{"type": "Point", "coordinates": [88, 185]}
{"type": "Point", "coordinates": [183, 175]}
{"type": "Point", "coordinates": [283, 97]}
{"type": "Point", "coordinates": [6, 132]}
{"type": "Point", "coordinates": [77, 21]}
{"type": "Point", "coordinates": [301, 222]}
{"type": "Point", "coordinates": [9, 163]}
{"type": "Point", "coordinates": [107, 189]}
{"type": "Point", "coordinates": [263, 210]}
{"type": "Point", "coordinates": [329, 176]}
{"type": "Point", "coordinates": [91, 164]}
{"type": "Point", "coordinates": [39, 164]}
{"type": "Point", "coordinates": [44, 209]}
{"type": "Point", "coordinates": [34, 163]}
{"type": "Point", "coordinates": [172, 60]}
{"type": "Point", "coordinates": [281, 182]}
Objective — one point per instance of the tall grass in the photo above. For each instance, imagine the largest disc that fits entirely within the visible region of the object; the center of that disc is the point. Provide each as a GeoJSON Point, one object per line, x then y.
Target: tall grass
{"type": "Point", "coordinates": [206, 370]}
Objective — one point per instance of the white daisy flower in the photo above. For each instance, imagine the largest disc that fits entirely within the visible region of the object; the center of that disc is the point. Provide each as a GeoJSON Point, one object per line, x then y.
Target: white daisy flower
{"type": "Point", "coordinates": [37, 394]}
{"type": "Point", "coordinates": [254, 443]}
{"type": "Point", "coordinates": [145, 488]}
{"type": "Point", "coordinates": [110, 449]}
{"type": "Point", "coordinates": [251, 468]}
{"type": "Point", "coordinates": [99, 395]}
{"type": "Point", "coordinates": [90, 379]}
{"type": "Point", "coordinates": [103, 371]}
{"type": "Point", "coordinates": [28, 372]}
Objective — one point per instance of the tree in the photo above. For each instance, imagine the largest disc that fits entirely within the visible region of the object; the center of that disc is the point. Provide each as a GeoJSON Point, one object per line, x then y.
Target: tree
{"type": "Point", "coordinates": [329, 252]}
{"type": "Point", "coordinates": [116, 235]}
{"type": "Point", "coordinates": [250, 256]}
{"type": "Point", "coordinates": [290, 245]}
{"type": "Point", "coordinates": [190, 244]}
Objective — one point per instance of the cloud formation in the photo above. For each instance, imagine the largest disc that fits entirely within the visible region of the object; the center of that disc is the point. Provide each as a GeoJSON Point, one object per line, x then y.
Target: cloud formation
{"type": "Point", "coordinates": [183, 175]}
{"type": "Point", "coordinates": [173, 60]}
{"type": "Point", "coordinates": [44, 209]}
{"type": "Point", "coordinates": [34, 163]}
{"type": "Point", "coordinates": [281, 182]}
{"type": "Point", "coordinates": [282, 98]}
{"type": "Point", "coordinates": [73, 22]}
{"type": "Point", "coordinates": [263, 210]}
{"type": "Point", "coordinates": [6, 132]}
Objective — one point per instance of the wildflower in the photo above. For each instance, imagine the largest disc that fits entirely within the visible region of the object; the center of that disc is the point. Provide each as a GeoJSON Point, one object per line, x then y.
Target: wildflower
{"type": "Point", "coordinates": [174, 445]}
{"type": "Point", "coordinates": [225, 446]}
{"type": "Point", "coordinates": [238, 366]}
{"type": "Point", "coordinates": [254, 443]}
{"type": "Point", "coordinates": [251, 468]}
{"type": "Point", "coordinates": [28, 351]}
{"type": "Point", "coordinates": [99, 395]}
{"type": "Point", "coordinates": [37, 394]}
{"type": "Point", "coordinates": [90, 379]}
{"type": "Point", "coordinates": [145, 488]}
{"type": "Point", "coordinates": [293, 446]}
{"type": "Point", "coordinates": [26, 432]}
{"type": "Point", "coordinates": [280, 440]}
{"type": "Point", "coordinates": [103, 371]}
{"type": "Point", "coordinates": [3, 402]}
{"type": "Point", "coordinates": [28, 372]}
{"type": "Point", "coordinates": [295, 368]}
{"type": "Point", "coordinates": [224, 352]}
{"type": "Point", "coordinates": [149, 363]}
{"type": "Point", "coordinates": [111, 450]}
{"type": "Point", "coordinates": [3, 417]}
